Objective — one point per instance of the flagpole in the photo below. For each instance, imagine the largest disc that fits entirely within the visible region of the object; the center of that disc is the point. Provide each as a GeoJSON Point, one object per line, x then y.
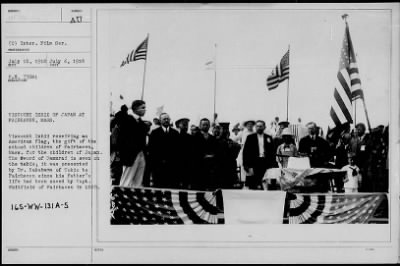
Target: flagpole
{"type": "Point", "coordinates": [287, 92]}
{"type": "Point", "coordinates": [287, 101]}
{"type": "Point", "coordinates": [355, 112]}
{"type": "Point", "coordinates": [215, 81]}
{"type": "Point", "coordinates": [145, 66]}
{"type": "Point", "coordinates": [366, 115]}
{"type": "Point", "coordinates": [111, 103]}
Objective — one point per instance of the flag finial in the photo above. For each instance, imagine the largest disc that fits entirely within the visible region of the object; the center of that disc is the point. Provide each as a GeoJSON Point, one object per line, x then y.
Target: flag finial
{"type": "Point", "coordinates": [344, 16]}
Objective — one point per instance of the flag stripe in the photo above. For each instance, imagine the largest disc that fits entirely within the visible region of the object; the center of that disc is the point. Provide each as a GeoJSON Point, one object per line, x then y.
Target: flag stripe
{"type": "Point", "coordinates": [206, 205]}
{"type": "Point", "coordinates": [273, 81]}
{"type": "Point", "coordinates": [320, 206]}
{"type": "Point", "coordinates": [354, 76]}
{"type": "Point", "coordinates": [356, 87]}
{"type": "Point", "coordinates": [353, 70]}
{"type": "Point", "coordinates": [303, 204]}
{"type": "Point", "coordinates": [357, 94]}
{"type": "Point", "coordinates": [188, 210]}
{"type": "Point", "coordinates": [354, 82]}
{"type": "Point", "coordinates": [179, 210]}
{"type": "Point", "coordinates": [280, 73]}
{"type": "Point", "coordinates": [334, 117]}
{"type": "Point", "coordinates": [285, 77]}
{"type": "Point", "coordinates": [342, 106]}
{"type": "Point", "coordinates": [344, 82]}
{"type": "Point", "coordinates": [344, 96]}
{"type": "Point", "coordinates": [273, 86]}
{"type": "Point", "coordinates": [339, 113]}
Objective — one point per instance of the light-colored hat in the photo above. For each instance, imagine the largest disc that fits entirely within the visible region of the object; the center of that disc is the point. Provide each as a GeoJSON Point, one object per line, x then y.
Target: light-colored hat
{"type": "Point", "coordinates": [286, 132]}
{"type": "Point", "coordinates": [249, 122]}
{"type": "Point", "coordinates": [284, 124]}
{"type": "Point", "coordinates": [177, 122]}
{"type": "Point", "coordinates": [236, 127]}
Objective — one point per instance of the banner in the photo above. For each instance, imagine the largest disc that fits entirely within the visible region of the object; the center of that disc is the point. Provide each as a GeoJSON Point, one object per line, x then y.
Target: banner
{"type": "Point", "coordinates": [253, 207]}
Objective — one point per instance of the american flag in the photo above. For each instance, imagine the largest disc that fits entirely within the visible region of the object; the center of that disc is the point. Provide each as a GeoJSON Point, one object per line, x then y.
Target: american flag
{"type": "Point", "coordinates": [139, 54]}
{"type": "Point", "coordinates": [279, 73]}
{"type": "Point", "coordinates": [333, 208]}
{"type": "Point", "coordinates": [158, 206]}
{"type": "Point", "coordinates": [348, 86]}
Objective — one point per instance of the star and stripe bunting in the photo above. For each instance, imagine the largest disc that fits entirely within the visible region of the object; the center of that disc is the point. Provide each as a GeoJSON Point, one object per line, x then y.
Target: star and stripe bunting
{"type": "Point", "coordinates": [155, 206]}
{"type": "Point", "coordinates": [148, 206]}
{"type": "Point", "coordinates": [333, 208]}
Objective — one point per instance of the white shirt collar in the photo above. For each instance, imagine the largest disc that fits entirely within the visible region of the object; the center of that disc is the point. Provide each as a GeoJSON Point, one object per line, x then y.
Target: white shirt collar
{"type": "Point", "coordinates": [135, 116]}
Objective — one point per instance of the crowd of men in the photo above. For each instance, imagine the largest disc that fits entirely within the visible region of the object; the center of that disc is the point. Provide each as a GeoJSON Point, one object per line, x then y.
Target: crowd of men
{"type": "Point", "coordinates": [208, 157]}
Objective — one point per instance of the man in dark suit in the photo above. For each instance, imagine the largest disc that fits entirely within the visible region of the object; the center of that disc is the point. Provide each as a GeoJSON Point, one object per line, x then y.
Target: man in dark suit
{"type": "Point", "coordinates": [116, 166]}
{"type": "Point", "coordinates": [258, 156]}
{"type": "Point", "coordinates": [226, 154]}
{"type": "Point", "coordinates": [361, 145]}
{"type": "Point", "coordinates": [132, 143]}
{"type": "Point", "coordinates": [316, 148]}
{"type": "Point", "coordinates": [205, 164]}
{"type": "Point", "coordinates": [343, 148]}
{"type": "Point", "coordinates": [185, 153]}
{"type": "Point", "coordinates": [319, 152]}
{"type": "Point", "coordinates": [163, 142]}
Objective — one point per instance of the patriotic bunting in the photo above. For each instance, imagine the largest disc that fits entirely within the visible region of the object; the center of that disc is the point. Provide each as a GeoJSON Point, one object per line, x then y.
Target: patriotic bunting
{"type": "Point", "coordinates": [162, 206]}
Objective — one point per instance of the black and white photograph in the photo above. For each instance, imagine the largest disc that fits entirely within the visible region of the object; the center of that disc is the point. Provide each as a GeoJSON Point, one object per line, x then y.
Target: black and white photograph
{"type": "Point", "coordinates": [249, 116]}
{"type": "Point", "coordinates": [200, 133]}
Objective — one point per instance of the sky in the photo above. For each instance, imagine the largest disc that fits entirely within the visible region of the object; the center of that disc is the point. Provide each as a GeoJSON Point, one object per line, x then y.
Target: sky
{"type": "Point", "coordinates": [249, 44]}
